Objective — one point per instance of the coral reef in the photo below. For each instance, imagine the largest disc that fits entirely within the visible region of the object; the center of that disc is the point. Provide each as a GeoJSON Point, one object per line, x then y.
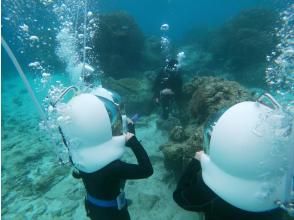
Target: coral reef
{"type": "Point", "coordinates": [135, 92]}
{"type": "Point", "coordinates": [118, 44]}
{"type": "Point", "coordinates": [241, 45]}
{"type": "Point", "coordinates": [177, 154]}
{"type": "Point", "coordinates": [238, 49]}
{"type": "Point", "coordinates": [196, 60]}
{"type": "Point", "coordinates": [205, 96]}
{"type": "Point", "coordinates": [211, 94]}
{"type": "Point", "coordinates": [151, 55]}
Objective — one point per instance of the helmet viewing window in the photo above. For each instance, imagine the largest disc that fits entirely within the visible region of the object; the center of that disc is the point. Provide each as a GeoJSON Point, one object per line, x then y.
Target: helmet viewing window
{"type": "Point", "coordinates": [115, 116]}
{"type": "Point", "coordinates": [208, 128]}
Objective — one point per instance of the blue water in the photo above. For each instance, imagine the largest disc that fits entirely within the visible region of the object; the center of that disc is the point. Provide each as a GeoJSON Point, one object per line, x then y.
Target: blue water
{"type": "Point", "coordinates": [182, 15]}
{"type": "Point", "coordinates": [34, 185]}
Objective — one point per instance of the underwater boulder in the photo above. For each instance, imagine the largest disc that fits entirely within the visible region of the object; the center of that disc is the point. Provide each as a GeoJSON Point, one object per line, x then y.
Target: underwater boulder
{"type": "Point", "coordinates": [204, 97]}
{"type": "Point", "coordinates": [173, 156]}
{"type": "Point", "coordinates": [168, 124]}
{"type": "Point", "coordinates": [135, 92]}
{"type": "Point", "coordinates": [241, 45]}
{"type": "Point", "coordinates": [118, 44]}
{"type": "Point", "coordinates": [177, 134]}
{"type": "Point", "coordinates": [212, 94]}
{"type": "Point", "coordinates": [152, 53]}
{"type": "Point", "coordinates": [177, 154]}
{"type": "Point", "coordinates": [196, 59]}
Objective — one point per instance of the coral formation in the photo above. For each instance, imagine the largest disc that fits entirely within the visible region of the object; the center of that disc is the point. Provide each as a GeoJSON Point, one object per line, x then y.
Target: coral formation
{"type": "Point", "coordinates": [241, 45]}
{"type": "Point", "coordinates": [151, 55]}
{"type": "Point", "coordinates": [135, 92]}
{"type": "Point", "coordinates": [177, 134]}
{"type": "Point", "coordinates": [206, 96]}
{"type": "Point", "coordinates": [177, 154]}
{"type": "Point", "coordinates": [118, 44]}
{"type": "Point", "coordinates": [238, 49]}
{"type": "Point", "coordinates": [211, 94]}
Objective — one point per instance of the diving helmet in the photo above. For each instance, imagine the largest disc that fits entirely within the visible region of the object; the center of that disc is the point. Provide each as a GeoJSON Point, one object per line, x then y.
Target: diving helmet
{"type": "Point", "coordinates": [92, 126]}
{"type": "Point", "coordinates": [249, 155]}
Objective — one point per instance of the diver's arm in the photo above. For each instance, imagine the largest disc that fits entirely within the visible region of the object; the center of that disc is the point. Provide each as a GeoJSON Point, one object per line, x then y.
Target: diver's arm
{"type": "Point", "coordinates": [192, 193]}
{"type": "Point", "coordinates": [144, 167]}
{"type": "Point", "coordinates": [189, 175]}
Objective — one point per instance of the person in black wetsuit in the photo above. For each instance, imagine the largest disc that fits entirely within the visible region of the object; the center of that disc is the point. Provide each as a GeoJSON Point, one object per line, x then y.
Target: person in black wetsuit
{"type": "Point", "coordinates": [239, 176]}
{"type": "Point", "coordinates": [96, 140]}
{"type": "Point", "coordinates": [167, 87]}
{"type": "Point", "coordinates": [192, 194]}
{"type": "Point", "coordinates": [107, 183]}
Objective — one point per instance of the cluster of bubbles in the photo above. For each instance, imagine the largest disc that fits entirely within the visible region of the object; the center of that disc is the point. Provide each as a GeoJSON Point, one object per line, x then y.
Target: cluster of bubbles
{"type": "Point", "coordinates": [71, 38]}
{"type": "Point", "coordinates": [164, 41]}
{"type": "Point", "coordinates": [76, 30]}
{"type": "Point", "coordinates": [165, 47]}
{"type": "Point", "coordinates": [180, 58]}
{"type": "Point", "coordinates": [52, 107]}
{"type": "Point", "coordinates": [280, 72]}
{"type": "Point", "coordinates": [23, 19]}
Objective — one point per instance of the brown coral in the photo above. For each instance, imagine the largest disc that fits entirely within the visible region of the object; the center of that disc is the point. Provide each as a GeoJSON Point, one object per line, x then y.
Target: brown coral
{"type": "Point", "coordinates": [207, 95]}
{"type": "Point", "coordinates": [212, 94]}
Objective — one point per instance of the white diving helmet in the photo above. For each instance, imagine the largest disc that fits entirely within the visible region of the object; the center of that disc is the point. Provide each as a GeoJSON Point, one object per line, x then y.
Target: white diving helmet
{"type": "Point", "coordinates": [249, 156]}
{"type": "Point", "coordinates": [92, 127]}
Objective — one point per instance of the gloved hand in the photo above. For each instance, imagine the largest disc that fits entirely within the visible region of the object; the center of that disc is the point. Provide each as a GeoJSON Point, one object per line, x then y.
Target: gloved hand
{"type": "Point", "coordinates": [129, 137]}
{"type": "Point", "coordinates": [76, 174]}
{"type": "Point", "coordinates": [198, 155]}
{"type": "Point", "coordinates": [131, 126]}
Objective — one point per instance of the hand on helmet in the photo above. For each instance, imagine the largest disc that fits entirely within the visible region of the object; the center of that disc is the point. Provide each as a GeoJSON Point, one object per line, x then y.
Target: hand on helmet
{"type": "Point", "coordinates": [131, 126]}
{"type": "Point", "coordinates": [128, 137]}
{"type": "Point", "coordinates": [198, 155]}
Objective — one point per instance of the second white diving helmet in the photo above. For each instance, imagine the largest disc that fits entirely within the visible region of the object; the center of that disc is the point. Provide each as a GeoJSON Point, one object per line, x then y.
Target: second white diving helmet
{"type": "Point", "coordinates": [249, 156]}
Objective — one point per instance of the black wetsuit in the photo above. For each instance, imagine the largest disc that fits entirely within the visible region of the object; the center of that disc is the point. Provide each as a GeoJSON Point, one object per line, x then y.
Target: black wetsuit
{"type": "Point", "coordinates": [167, 80]}
{"type": "Point", "coordinates": [193, 194]}
{"type": "Point", "coordinates": [105, 184]}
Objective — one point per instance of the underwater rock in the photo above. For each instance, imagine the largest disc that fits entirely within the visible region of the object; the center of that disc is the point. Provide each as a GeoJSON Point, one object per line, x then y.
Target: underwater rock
{"type": "Point", "coordinates": [40, 210]}
{"type": "Point", "coordinates": [213, 94]}
{"type": "Point", "coordinates": [44, 183]}
{"type": "Point", "coordinates": [118, 44]}
{"type": "Point", "coordinates": [196, 60]}
{"type": "Point", "coordinates": [177, 134]}
{"type": "Point", "coordinates": [177, 155]}
{"type": "Point", "coordinates": [69, 209]}
{"type": "Point", "coordinates": [135, 92]}
{"type": "Point", "coordinates": [148, 200]}
{"type": "Point", "coordinates": [173, 155]}
{"type": "Point", "coordinates": [168, 124]}
{"type": "Point", "coordinates": [17, 101]}
{"type": "Point", "coordinates": [150, 75]}
{"type": "Point", "coordinates": [152, 54]}
{"type": "Point", "coordinates": [75, 194]}
{"type": "Point", "coordinates": [242, 44]}
{"type": "Point", "coordinates": [205, 96]}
